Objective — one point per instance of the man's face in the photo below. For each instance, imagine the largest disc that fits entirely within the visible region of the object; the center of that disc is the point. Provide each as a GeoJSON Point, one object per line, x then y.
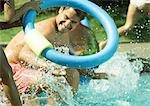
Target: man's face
{"type": "Point", "coordinates": [67, 19]}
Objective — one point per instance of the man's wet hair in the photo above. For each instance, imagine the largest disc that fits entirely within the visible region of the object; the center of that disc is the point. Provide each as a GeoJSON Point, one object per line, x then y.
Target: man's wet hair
{"type": "Point", "coordinates": [81, 14]}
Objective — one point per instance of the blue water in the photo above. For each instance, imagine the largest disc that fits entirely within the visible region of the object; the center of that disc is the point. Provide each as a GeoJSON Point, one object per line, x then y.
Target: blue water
{"type": "Point", "coordinates": [137, 97]}
{"type": "Point", "coordinates": [125, 86]}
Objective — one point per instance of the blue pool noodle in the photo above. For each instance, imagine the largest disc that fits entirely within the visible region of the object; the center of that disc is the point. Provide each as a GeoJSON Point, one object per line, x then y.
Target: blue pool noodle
{"type": "Point", "coordinates": [79, 61]}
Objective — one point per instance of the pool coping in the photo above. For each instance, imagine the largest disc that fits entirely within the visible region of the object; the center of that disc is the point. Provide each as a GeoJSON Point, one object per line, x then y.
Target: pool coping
{"type": "Point", "coordinates": [141, 49]}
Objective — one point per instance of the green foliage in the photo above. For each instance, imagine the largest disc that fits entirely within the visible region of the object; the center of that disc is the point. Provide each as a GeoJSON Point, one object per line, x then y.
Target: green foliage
{"type": "Point", "coordinates": [141, 31]}
{"type": "Point", "coordinates": [8, 34]}
{"type": "Point", "coordinates": [97, 29]}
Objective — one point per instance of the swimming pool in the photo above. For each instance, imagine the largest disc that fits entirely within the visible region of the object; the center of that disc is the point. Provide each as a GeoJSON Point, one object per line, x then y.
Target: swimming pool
{"type": "Point", "coordinates": [127, 88]}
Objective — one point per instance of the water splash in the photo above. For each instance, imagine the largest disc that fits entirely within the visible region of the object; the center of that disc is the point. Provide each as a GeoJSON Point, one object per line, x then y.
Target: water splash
{"type": "Point", "coordinates": [3, 100]}
{"type": "Point", "coordinates": [121, 89]}
{"type": "Point", "coordinates": [121, 74]}
{"type": "Point", "coordinates": [118, 90]}
{"type": "Point", "coordinates": [54, 87]}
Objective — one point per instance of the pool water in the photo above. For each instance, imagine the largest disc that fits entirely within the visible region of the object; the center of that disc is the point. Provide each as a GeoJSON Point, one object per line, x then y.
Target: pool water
{"type": "Point", "coordinates": [103, 96]}
{"type": "Point", "coordinates": [125, 86]}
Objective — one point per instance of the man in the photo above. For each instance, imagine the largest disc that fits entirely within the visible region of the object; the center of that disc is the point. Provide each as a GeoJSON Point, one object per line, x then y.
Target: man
{"type": "Point", "coordinates": [62, 30]}
{"type": "Point", "coordinates": [55, 30]}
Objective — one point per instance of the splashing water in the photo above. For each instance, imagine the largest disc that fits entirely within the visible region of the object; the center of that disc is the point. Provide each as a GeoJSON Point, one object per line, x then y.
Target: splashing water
{"type": "Point", "coordinates": [3, 100]}
{"type": "Point", "coordinates": [123, 87]}
{"type": "Point", "coordinates": [55, 87]}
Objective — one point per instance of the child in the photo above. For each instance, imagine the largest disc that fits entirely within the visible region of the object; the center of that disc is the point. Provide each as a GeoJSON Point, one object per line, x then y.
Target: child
{"type": "Point", "coordinates": [135, 8]}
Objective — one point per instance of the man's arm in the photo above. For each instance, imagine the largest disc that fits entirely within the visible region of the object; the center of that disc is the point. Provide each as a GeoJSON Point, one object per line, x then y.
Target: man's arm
{"type": "Point", "coordinates": [28, 57]}
{"type": "Point", "coordinates": [9, 10]}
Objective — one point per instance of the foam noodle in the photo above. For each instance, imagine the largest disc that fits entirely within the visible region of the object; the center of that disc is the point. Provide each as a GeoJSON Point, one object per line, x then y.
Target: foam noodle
{"type": "Point", "coordinates": [87, 61]}
{"type": "Point", "coordinates": [37, 41]}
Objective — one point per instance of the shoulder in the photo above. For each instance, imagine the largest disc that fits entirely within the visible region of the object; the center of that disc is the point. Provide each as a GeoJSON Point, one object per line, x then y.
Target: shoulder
{"type": "Point", "coordinates": [46, 22]}
{"type": "Point", "coordinates": [47, 27]}
{"type": "Point", "coordinates": [16, 42]}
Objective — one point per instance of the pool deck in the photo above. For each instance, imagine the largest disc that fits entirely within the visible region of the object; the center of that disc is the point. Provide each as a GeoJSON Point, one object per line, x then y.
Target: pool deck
{"type": "Point", "coordinates": [140, 49]}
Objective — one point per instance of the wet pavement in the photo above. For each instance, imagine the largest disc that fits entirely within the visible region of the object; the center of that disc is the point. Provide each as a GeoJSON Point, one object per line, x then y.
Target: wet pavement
{"type": "Point", "coordinates": [139, 49]}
